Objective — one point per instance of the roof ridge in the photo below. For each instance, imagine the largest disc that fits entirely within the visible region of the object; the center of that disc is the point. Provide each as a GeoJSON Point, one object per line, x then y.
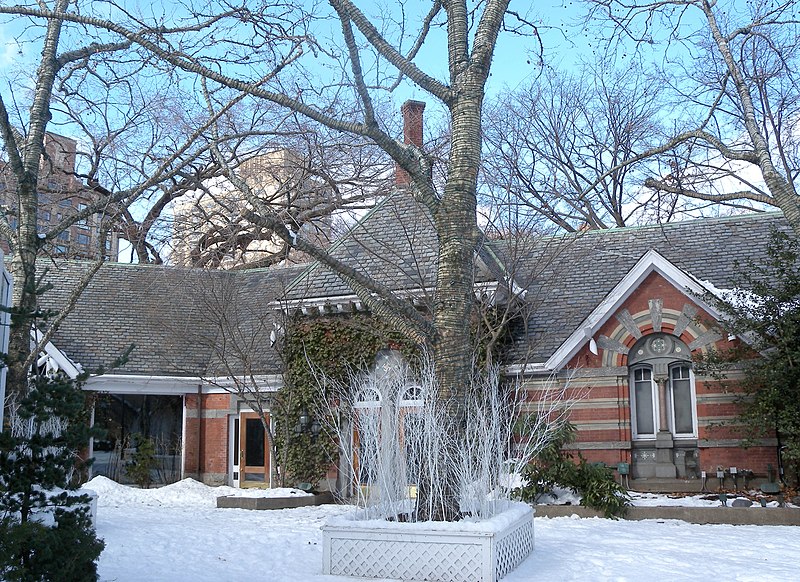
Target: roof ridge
{"type": "Point", "coordinates": [750, 216]}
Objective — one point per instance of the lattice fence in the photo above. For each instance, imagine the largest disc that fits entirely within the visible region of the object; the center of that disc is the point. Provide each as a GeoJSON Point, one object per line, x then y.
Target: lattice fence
{"type": "Point", "coordinates": [415, 554]}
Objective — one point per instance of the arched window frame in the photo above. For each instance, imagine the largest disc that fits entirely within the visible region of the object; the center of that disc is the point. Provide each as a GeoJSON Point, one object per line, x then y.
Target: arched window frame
{"type": "Point", "coordinates": [644, 362]}
{"type": "Point", "coordinates": [370, 402]}
{"type": "Point", "coordinates": [654, 409]}
{"type": "Point", "coordinates": [692, 399]}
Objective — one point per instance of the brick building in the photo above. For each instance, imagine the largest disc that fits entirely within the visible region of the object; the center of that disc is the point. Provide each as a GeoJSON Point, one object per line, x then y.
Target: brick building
{"type": "Point", "coordinates": [209, 230]}
{"type": "Point", "coordinates": [617, 315]}
{"type": "Point", "coordinates": [61, 195]}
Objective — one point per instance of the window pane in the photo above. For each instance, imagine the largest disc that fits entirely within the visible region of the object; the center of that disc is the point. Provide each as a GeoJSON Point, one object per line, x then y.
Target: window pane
{"type": "Point", "coordinates": [682, 401]}
{"type": "Point", "coordinates": [645, 423]}
{"type": "Point", "coordinates": [254, 443]}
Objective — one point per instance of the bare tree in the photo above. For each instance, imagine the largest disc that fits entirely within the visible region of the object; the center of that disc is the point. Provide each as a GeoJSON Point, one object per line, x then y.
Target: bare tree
{"type": "Point", "coordinates": [108, 96]}
{"type": "Point", "coordinates": [560, 148]}
{"type": "Point", "coordinates": [733, 67]}
{"type": "Point", "coordinates": [248, 49]}
{"type": "Point", "coordinates": [307, 177]}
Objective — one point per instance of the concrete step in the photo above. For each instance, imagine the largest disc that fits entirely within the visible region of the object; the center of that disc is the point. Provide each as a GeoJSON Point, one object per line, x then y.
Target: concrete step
{"type": "Point", "coordinates": [689, 485]}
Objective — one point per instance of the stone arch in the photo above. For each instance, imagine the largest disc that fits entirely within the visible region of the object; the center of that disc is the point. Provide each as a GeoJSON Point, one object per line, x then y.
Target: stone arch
{"type": "Point", "coordinates": [683, 324]}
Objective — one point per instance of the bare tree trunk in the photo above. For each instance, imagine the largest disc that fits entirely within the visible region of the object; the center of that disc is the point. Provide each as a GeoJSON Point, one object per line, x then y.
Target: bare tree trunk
{"type": "Point", "coordinates": [25, 155]}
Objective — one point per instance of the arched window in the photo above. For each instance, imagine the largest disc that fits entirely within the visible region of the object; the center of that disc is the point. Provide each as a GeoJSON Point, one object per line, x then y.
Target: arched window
{"type": "Point", "coordinates": [662, 388]}
{"type": "Point", "coordinates": [387, 419]}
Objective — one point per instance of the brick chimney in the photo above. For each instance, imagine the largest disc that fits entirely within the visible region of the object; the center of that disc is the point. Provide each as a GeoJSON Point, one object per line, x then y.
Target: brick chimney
{"type": "Point", "coordinates": [412, 134]}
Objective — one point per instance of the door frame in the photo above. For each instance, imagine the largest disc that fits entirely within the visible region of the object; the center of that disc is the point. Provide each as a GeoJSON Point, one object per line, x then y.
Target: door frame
{"type": "Point", "coordinates": [238, 452]}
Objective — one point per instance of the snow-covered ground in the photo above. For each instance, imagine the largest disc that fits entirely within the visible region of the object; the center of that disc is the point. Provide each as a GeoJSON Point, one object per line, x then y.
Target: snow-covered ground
{"type": "Point", "coordinates": [176, 534]}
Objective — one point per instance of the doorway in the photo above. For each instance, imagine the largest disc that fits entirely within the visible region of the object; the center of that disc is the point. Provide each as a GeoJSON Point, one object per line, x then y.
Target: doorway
{"type": "Point", "coordinates": [252, 463]}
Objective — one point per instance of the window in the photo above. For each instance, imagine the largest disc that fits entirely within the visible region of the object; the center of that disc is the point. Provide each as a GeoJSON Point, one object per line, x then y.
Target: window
{"type": "Point", "coordinates": [389, 404]}
{"type": "Point", "coordinates": [83, 239]}
{"type": "Point", "coordinates": [64, 235]}
{"type": "Point", "coordinates": [82, 223]}
{"type": "Point", "coordinates": [660, 362]}
{"type": "Point", "coordinates": [46, 215]}
{"type": "Point", "coordinates": [683, 401]}
{"type": "Point", "coordinates": [644, 401]}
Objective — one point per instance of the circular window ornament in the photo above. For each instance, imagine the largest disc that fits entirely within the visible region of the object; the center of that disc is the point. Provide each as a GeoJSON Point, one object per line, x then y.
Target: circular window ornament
{"type": "Point", "coordinates": [659, 345]}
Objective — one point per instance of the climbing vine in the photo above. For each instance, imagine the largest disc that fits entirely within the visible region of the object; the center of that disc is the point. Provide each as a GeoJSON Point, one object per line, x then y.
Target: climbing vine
{"type": "Point", "coordinates": [335, 346]}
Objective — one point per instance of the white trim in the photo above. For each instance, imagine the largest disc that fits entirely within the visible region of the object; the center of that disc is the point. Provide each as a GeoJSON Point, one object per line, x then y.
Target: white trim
{"type": "Point", "coordinates": [63, 362]}
{"type": "Point", "coordinates": [522, 369]}
{"type": "Point", "coordinates": [183, 436]}
{"type": "Point", "coordinates": [340, 303]}
{"type": "Point", "coordinates": [651, 262]}
{"type": "Point", "coordinates": [692, 398]}
{"type": "Point", "coordinates": [655, 409]}
{"type": "Point", "coordinates": [173, 385]}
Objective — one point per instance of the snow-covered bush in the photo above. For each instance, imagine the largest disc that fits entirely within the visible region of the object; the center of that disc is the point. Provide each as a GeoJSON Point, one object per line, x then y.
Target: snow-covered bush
{"type": "Point", "coordinates": [402, 444]}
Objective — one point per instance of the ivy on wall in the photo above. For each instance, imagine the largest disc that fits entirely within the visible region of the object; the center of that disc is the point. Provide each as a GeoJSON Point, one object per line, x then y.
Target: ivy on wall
{"type": "Point", "coordinates": [336, 346]}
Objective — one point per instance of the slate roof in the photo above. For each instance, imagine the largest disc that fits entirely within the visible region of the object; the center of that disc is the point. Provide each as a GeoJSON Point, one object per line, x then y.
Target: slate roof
{"type": "Point", "coordinates": [568, 276]}
{"type": "Point", "coordinates": [172, 314]}
{"type": "Point", "coordinates": [395, 244]}
{"type": "Point", "coordinates": [169, 313]}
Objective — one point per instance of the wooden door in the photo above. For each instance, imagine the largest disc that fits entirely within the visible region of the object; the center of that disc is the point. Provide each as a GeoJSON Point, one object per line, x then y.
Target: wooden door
{"type": "Point", "coordinates": [254, 466]}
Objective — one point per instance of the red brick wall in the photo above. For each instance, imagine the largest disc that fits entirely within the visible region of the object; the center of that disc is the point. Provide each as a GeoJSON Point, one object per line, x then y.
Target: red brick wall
{"type": "Point", "coordinates": [607, 398]}
{"type": "Point", "coordinates": [206, 437]}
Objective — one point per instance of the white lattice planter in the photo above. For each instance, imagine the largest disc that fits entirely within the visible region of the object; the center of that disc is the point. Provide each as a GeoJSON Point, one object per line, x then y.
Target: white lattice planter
{"type": "Point", "coordinates": [464, 551]}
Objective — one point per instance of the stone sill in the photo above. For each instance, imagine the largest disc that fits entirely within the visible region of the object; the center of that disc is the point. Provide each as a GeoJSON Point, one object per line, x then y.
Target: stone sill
{"type": "Point", "coordinates": [235, 502]}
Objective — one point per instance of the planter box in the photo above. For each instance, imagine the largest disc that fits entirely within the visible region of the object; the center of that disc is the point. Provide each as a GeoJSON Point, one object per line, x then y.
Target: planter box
{"type": "Point", "coordinates": [463, 551]}
{"type": "Point", "coordinates": [233, 501]}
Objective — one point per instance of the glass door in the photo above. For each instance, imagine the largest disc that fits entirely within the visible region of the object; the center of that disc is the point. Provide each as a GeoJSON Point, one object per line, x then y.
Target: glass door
{"type": "Point", "coordinates": [254, 466]}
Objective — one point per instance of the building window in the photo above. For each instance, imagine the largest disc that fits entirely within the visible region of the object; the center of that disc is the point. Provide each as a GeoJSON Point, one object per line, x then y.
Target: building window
{"type": "Point", "coordinates": [645, 403]}
{"type": "Point", "coordinates": [83, 239]}
{"type": "Point", "coordinates": [660, 373]}
{"type": "Point", "coordinates": [82, 223]}
{"type": "Point", "coordinates": [682, 398]}
{"type": "Point", "coordinates": [387, 406]}
{"type": "Point", "coordinates": [46, 215]}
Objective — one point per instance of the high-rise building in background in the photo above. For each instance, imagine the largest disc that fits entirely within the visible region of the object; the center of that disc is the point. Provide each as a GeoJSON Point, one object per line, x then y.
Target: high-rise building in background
{"type": "Point", "coordinates": [61, 194]}
{"type": "Point", "coordinates": [210, 229]}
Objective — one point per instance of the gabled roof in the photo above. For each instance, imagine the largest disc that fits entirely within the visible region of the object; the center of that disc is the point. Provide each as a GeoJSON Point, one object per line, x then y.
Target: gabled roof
{"type": "Point", "coordinates": [572, 283]}
{"type": "Point", "coordinates": [395, 244]}
{"type": "Point", "coordinates": [651, 262]}
{"type": "Point", "coordinates": [568, 277]}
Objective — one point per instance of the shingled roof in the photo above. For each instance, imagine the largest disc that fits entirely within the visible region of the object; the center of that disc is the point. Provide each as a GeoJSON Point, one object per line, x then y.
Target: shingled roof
{"type": "Point", "coordinates": [568, 276]}
{"type": "Point", "coordinates": [172, 314]}
{"type": "Point", "coordinates": [168, 313]}
{"type": "Point", "coordinates": [395, 244]}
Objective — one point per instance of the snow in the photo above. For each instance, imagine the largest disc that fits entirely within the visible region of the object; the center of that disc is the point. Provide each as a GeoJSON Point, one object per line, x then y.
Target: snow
{"type": "Point", "coordinates": [176, 533]}
{"type": "Point", "coordinates": [511, 512]}
{"type": "Point", "coordinates": [183, 493]}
